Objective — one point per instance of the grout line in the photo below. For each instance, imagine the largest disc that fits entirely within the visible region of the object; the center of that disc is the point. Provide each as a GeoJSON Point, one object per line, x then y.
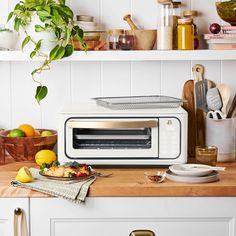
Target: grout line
{"type": "Point", "coordinates": [221, 71]}
{"type": "Point", "coordinates": [10, 94]}
{"type": "Point", "coordinates": [161, 76]}
{"type": "Point", "coordinates": [131, 78]}
{"type": "Point", "coordinates": [101, 79]}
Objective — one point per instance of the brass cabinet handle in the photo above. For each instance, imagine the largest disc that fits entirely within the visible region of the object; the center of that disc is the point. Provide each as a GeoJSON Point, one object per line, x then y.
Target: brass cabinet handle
{"type": "Point", "coordinates": [142, 232]}
{"type": "Point", "coordinates": [20, 227]}
{"type": "Point", "coordinates": [111, 124]}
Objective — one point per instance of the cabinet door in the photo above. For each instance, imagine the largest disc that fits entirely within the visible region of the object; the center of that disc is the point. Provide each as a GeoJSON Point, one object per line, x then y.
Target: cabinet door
{"type": "Point", "coordinates": [7, 207]}
{"type": "Point", "coordinates": [120, 216]}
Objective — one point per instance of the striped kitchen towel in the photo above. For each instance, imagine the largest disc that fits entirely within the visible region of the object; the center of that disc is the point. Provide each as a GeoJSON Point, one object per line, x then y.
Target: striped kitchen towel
{"type": "Point", "coordinates": [71, 190]}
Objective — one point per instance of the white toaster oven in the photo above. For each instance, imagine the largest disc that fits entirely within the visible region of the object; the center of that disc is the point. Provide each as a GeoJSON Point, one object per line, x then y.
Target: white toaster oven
{"type": "Point", "coordinates": [96, 135]}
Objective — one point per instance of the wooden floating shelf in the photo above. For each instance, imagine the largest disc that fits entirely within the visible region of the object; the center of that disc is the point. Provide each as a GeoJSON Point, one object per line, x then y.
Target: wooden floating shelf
{"type": "Point", "coordinates": [152, 55]}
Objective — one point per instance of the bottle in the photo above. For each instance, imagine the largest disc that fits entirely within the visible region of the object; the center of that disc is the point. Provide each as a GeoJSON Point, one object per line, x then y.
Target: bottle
{"type": "Point", "coordinates": [126, 41]}
{"type": "Point", "coordinates": [165, 29]}
{"type": "Point", "coordinates": [113, 38]}
{"type": "Point", "coordinates": [192, 14]}
{"type": "Point", "coordinates": [176, 12]}
{"type": "Point", "coordinates": [185, 34]}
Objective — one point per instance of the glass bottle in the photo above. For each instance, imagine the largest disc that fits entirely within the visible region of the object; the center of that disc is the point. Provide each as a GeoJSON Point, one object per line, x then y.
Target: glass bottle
{"type": "Point", "coordinates": [126, 41]}
{"type": "Point", "coordinates": [165, 28]}
{"type": "Point", "coordinates": [176, 13]}
{"type": "Point", "coordinates": [192, 14]}
{"type": "Point", "coordinates": [185, 34]}
{"type": "Point", "coordinates": [113, 38]}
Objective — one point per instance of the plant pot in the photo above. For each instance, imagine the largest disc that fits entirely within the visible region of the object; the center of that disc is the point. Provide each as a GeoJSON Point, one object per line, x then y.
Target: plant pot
{"type": "Point", "coordinates": [8, 40]}
{"type": "Point", "coordinates": [48, 37]}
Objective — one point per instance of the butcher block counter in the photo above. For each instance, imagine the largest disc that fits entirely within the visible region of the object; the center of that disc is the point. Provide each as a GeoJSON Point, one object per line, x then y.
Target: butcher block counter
{"type": "Point", "coordinates": [130, 182]}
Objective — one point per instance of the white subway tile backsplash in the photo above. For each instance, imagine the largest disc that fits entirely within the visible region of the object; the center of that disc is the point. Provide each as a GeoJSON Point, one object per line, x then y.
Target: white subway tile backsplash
{"type": "Point", "coordinates": [77, 81]}
{"type": "Point", "coordinates": [24, 107]}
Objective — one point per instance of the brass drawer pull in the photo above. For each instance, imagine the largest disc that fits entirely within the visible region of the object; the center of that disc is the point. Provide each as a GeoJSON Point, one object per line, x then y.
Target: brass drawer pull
{"type": "Point", "coordinates": [142, 232]}
{"type": "Point", "coordinates": [20, 227]}
{"type": "Point", "coordinates": [112, 124]}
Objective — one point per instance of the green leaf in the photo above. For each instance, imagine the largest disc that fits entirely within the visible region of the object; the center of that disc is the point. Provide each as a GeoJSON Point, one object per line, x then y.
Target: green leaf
{"type": "Point", "coordinates": [17, 24]}
{"type": "Point", "coordinates": [34, 71]}
{"type": "Point", "coordinates": [43, 14]}
{"type": "Point", "coordinates": [62, 2]}
{"type": "Point", "coordinates": [38, 45]}
{"type": "Point", "coordinates": [53, 52]}
{"type": "Point", "coordinates": [32, 54]}
{"type": "Point", "coordinates": [60, 53]}
{"type": "Point", "coordinates": [67, 35]}
{"type": "Point", "coordinates": [41, 93]}
{"type": "Point", "coordinates": [39, 28]}
{"type": "Point", "coordinates": [25, 41]}
{"type": "Point", "coordinates": [68, 50]}
{"type": "Point", "coordinates": [10, 16]}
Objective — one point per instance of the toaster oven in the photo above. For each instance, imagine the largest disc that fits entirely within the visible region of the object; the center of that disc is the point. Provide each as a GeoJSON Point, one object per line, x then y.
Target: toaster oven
{"type": "Point", "coordinates": [96, 135]}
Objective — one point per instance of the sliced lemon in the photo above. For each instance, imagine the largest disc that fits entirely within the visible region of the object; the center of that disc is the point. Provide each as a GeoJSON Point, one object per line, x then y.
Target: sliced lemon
{"type": "Point", "coordinates": [24, 175]}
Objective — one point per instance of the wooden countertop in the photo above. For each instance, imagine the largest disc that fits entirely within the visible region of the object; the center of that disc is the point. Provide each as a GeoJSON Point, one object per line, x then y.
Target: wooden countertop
{"type": "Point", "coordinates": [131, 182]}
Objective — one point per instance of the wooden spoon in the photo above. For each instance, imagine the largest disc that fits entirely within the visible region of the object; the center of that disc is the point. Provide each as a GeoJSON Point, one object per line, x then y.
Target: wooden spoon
{"type": "Point", "coordinates": [225, 95]}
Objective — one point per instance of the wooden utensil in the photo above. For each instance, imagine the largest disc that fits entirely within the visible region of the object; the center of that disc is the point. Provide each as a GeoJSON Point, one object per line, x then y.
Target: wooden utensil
{"type": "Point", "coordinates": [128, 19]}
{"type": "Point", "coordinates": [189, 106]}
{"type": "Point", "coordinates": [198, 71]}
{"type": "Point", "coordinates": [232, 108]}
{"type": "Point", "coordinates": [224, 90]}
{"type": "Point", "coordinates": [213, 98]}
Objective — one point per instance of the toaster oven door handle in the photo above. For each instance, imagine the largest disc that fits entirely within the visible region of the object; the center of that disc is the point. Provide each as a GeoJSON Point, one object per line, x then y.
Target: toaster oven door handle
{"type": "Point", "coordinates": [112, 124]}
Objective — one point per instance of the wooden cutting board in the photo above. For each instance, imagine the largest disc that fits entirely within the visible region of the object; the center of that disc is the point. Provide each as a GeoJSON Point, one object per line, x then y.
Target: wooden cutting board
{"type": "Point", "coordinates": [189, 106]}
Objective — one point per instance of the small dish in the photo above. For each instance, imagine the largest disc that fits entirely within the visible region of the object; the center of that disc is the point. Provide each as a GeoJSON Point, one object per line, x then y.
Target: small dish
{"type": "Point", "coordinates": [212, 177]}
{"type": "Point", "coordinates": [156, 177]}
{"type": "Point", "coordinates": [190, 169]}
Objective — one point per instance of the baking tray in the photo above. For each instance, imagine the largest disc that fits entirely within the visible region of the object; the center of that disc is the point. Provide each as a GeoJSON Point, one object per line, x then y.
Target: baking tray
{"type": "Point", "coordinates": [139, 102]}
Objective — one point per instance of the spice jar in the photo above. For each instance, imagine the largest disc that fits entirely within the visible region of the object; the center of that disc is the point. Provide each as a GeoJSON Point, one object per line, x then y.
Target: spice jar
{"type": "Point", "coordinates": [192, 14]}
{"type": "Point", "coordinates": [176, 12]}
{"type": "Point", "coordinates": [165, 28]}
{"type": "Point", "coordinates": [185, 34]}
{"type": "Point", "coordinates": [113, 38]}
{"type": "Point", "coordinates": [126, 41]}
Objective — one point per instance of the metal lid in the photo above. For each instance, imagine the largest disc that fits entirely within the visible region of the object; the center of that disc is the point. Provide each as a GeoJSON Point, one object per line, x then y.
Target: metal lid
{"type": "Point", "coordinates": [185, 21]}
{"type": "Point", "coordinates": [189, 13]}
{"type": "Point", "coordinates": [165, 2]}
{"type": "Point", "coordinates": [176, 4]}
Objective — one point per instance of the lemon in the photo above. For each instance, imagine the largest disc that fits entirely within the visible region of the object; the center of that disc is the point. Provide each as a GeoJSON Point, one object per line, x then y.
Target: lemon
{"type": "Point", "coordinates": [46, 133]}
{"type": "Point", "coordinates": [45, 156]}
{"type": "Point", "coordinates": [24, 175]}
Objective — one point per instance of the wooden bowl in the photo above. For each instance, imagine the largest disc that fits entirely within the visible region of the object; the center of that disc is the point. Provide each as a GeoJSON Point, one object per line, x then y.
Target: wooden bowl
{"type": "Point", "coordinates": [25, 148]}
{"type": "Point", "coordinates": [145, 39]}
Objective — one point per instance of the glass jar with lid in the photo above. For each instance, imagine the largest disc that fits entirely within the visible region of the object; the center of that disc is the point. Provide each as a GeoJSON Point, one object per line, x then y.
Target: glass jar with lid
{"type": "Point", "coordinates": [127, 40]}
{"type": "Point", "coordinates": [193, 14]}
{"type": "Point", "coordinates": [165, 26]}
{"type": "Point", "coordinates": [185, 34]}
{"type": "Point", "coordinates": [176, 13]}
{"type": "Point", "coordinates": [113, 38]}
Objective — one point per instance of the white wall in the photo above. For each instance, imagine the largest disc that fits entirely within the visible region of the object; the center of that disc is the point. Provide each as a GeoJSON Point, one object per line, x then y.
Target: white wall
{"type": "Point", "coordinates": [77, 81]}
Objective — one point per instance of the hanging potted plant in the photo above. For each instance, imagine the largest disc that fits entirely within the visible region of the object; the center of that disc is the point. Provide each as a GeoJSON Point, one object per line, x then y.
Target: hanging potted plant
{"type": "Point", "coordinates": [46, 22]}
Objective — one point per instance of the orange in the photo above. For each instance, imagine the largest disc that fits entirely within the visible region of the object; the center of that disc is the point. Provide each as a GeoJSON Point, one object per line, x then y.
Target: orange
{"type": "Point", "coordinates": [27, 129]}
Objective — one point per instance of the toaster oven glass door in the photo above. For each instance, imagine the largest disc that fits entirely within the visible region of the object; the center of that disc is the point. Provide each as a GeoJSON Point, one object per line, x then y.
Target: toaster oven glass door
{"type": "Point", "coordinates": [111, 138]}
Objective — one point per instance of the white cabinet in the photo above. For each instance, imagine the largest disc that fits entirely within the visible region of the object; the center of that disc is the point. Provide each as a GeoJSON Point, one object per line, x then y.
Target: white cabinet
{"type": "Point", "coordinates": [165, 216]}
{"type": "Point", "coordinates": [7, 207]}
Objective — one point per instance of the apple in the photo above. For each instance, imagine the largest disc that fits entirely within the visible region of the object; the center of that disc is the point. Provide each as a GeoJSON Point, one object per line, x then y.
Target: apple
{"type": "Point", "coordinates": [215, 28]}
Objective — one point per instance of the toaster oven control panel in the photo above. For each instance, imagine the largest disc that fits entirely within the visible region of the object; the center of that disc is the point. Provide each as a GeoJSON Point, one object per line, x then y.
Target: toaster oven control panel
{"type": "Point", "coordinates": [169, 138]}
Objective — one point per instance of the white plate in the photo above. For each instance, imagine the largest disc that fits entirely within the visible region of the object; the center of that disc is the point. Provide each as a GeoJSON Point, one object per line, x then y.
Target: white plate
{"type": "Point", "coordinates": [190, 169]}
{"type": "Point", "coordinates": [213, 176]}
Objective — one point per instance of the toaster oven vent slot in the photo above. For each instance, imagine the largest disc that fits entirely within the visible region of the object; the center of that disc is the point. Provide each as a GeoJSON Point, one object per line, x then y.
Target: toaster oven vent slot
{"type": "Point", "coordinates": [111, 138]}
